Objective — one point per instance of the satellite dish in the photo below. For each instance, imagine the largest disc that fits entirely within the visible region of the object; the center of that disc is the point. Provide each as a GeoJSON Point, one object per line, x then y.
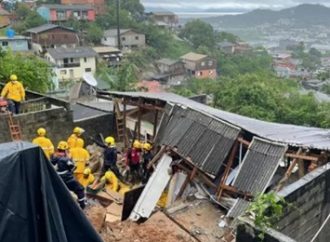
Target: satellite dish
{"type": "Point", "coordinates": [89, 78]}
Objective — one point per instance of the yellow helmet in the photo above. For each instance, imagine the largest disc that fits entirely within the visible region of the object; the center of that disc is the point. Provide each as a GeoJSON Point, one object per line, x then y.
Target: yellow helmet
{"type": "Point", "coordinates": [110, 140]}
{"type": "Point", "coordinates": [147, 146]}
{"type": "Point", "coordinates": [108, 175]}
{"type": "Point", "coordinates": [78, 130]}
{"type": "Point", "coordinates": [41, 132]}
{"type": "Point", "coordinates": [13, 77]}
{"type": "Point", "coordinates": [80, 143]}
{"type": "Point", "coordinates": [87, 171]}
{"type": "Point", "coordinates": [137, 144]}
{"type": "Point", "coordinates": [62, 145]}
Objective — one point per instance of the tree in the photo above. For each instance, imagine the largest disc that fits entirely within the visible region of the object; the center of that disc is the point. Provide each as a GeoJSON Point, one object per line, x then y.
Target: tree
{"type": "Point", "coordinates": [94, 33]}
{"type": "Point", "coordinates": [27, 18]}
{"type": "Point", "coordinates": [34, 72]}
{"type": "Point", "coordinates": [198, 33]}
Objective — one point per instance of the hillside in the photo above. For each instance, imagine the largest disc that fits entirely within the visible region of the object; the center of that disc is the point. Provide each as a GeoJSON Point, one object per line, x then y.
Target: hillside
{"type": "Point", "coordinates": [302, 15]}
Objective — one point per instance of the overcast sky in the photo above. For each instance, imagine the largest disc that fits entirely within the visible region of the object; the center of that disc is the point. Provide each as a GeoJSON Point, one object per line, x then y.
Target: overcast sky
{"type": "Point", "coordinates": [182, 5]}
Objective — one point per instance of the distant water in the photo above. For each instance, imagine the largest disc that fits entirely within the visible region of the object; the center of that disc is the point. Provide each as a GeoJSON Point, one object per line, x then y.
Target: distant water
{"type": "Point", "coordinates": [186, 15]}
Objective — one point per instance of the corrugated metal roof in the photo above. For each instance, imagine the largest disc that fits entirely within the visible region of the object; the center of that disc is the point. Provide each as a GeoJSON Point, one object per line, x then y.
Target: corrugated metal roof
{"type": "Point", "coordinates": [46, 27]}
{"type": "Point", "coordinates": [300, 136]}
{"type": "Point", "coordinates": [257, 169]}
{"type": "Point", "coordinates": [206, 140]}
{"type": "Point", "coordinates": [78, 52]}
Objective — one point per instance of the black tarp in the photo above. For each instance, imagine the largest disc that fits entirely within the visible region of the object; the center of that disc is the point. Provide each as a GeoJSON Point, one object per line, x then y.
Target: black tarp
{"type": "Point", "coordinates": [35, 205]}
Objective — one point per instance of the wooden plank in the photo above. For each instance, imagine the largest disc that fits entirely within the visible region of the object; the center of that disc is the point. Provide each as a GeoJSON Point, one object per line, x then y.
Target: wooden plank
{"type": "Point", "coordinates": [227, 170]}
{"type": "Point", "coordinates": [243, 141]}
{"type": "Point", "coordinates": [155, 123]}
{"type": "Point", "coordinates": [288, 172]}
{"type": "Point", "coordinates": [187, 181]}
{"type": "Point", "coordinates": [302, 157]}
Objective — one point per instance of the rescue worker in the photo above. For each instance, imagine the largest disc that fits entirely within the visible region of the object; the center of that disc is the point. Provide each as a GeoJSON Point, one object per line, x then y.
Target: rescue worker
{"type": "Point", "coordinates": [147, 157]}
{"type": "Point", "coordinates": [45, 143]}
{"type": "Point", "coordinates": [109, 156]}
{"type": "Point", "coordinates": [14, 91]}
{"type": "Point", "coordinates": [87, 178]}
{"type": "Point", "coordinates": [111, 181]}
{"type": "Point", "coordinates": [80, 157]}
{"type": "Point", "coordinates": [133, 160]}
{"type": "Point", "coordinates": [77, 132]}
{"type": "Point", "coordinates": [65, 169]}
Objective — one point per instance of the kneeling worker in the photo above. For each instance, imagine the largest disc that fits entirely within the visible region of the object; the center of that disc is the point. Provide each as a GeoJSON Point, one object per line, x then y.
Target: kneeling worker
{"type": "Point", "coordinates": [87, 178]}
{"type": "Point", "coordinates": [65, 169]}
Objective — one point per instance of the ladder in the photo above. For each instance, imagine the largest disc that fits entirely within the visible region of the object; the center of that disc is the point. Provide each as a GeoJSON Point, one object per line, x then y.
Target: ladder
{"type": "Point", "coordinates": [14, 128]}
{"type": "Point", "coordinates": [121, 129]}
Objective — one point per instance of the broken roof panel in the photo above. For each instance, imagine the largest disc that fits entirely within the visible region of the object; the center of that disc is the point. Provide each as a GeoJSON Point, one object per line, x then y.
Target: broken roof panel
{"type": "Point", "coordinates": [257, 169]}
{"type": "Point", "coordinates": [300, 136]}
{"type": "Point", "coordinates": [207, 141]}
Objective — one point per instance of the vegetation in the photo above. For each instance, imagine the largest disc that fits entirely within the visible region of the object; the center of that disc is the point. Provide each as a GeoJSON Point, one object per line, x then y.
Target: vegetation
{"type": "Point", "coordinates": [32, 71]}
{"type": "Point", "coordinates": [310, 60]}
{"type": "Point", "coordinates": [267, 209]}
{"type": "Point", "coordinates": [26, 18]}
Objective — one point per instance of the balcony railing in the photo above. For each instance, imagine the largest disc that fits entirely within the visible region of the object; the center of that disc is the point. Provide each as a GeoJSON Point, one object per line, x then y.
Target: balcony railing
{"type": "Point", "coordinates": [68, 65]}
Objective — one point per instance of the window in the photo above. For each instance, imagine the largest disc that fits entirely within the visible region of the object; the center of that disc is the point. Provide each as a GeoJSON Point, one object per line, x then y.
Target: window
{"type": "Point", "coordinates": [63, 72]}
{"type": "Point", "coordinates": [5, 43]}
{"type": "Point", "coordinates": [200, 73]}
{"type": "Point", "coordinates": [136, 37]}
{"type": "Point", "coordinates": [53, 36]}
{"type": "Point", "coordinates": [203, 63]}
{"type": "Point", "coordinates": [88, 69]}
{"type": "Point", "coordinates": [71, 59]}
{"type": "Point", "coordinates": [123, 38]}
{"type": "Point", "coordinates": [210, 63]}
{"type": "Point", "coordinates": [85, 59]}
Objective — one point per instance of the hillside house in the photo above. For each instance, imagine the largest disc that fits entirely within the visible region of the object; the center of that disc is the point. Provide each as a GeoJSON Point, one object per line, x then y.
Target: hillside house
{"type": "Point", "coordinates": [72, 63]}
{"type": "Point", "coordinates": [52, 36]}
{"type": "Point", "coordinates": [129, 38]}
{"type": "Point", "coordinates": [55, 13]}
{"type": "Point", "coordinates": [111, 55]}
{"type": "Point", "coordinates": [170, 72]}
{"type": "Point", "coordinates": [199, 66]}
{"type": "Point", "coordinates": [98, 5]}
{"type": "Point", "coordinates": [165, 19]}
{"type": "Point", "coordinates": [4, 18]}
{"type": "Point", "coordinates": [15, 43]}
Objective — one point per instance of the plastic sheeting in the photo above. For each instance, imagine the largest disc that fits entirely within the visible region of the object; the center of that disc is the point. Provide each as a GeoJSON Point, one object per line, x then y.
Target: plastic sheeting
{"type": "Point", "coordinates": [35, 205]}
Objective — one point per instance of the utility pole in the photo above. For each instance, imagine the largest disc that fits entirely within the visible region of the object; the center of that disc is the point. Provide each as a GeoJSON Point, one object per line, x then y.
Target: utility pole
{"type": "Point", "coordinates": [118, 28]}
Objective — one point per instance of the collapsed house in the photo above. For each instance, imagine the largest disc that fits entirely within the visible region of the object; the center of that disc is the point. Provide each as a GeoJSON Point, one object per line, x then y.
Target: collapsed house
{"type": "Point", "coordinates": [235, 158]}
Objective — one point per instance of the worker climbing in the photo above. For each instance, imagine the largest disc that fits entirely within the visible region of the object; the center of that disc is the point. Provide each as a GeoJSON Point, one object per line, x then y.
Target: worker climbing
{"type": "Point", "coordinates": [110, 156]}
{"type": "Point", "coordinates": [45, 143]}
{"type": "Point", "coordinates": [65, 169]}
{"type": "Point", "coordinates": [80, 157]}
{"type": "Point", "coordinates": [76, 133]}
{"type": "Point", "coordinates": [15, 93]}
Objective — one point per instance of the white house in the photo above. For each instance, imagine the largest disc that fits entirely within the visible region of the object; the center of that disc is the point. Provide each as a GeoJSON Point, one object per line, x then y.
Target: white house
{"type": "Point", "coordinates": [128, 38]}
{"type": "Point", "coordinates": [72, 63]}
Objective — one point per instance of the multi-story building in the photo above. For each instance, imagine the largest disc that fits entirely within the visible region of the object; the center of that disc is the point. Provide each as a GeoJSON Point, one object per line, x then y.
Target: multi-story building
{"type": "Point", "coordinates": [52, 36]}
{"type": "Point", "coordinates": [199, 66]}
{"type": "Point", "coordinates": [98, 5]}
{"type": "Point", "coordinates": [56, 13]}
{"type": "Point", "coordinates": [128, 38]}
{"type": "Point", "coordinates": [72, 63]}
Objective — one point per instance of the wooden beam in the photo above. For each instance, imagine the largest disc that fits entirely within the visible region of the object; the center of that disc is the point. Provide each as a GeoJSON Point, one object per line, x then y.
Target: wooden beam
{"type": "Point", "coordinates": [289, 171]}
{"type": "Point", "coordinates": [302, 157]}
{"type": "Point", "coordinates": [155, 123]}
{"type": "Point", "coordinates": [187, 181]}
{"type": "Point", "coordinates": [227, 170]}
{"type": "Point", "coordinates": [157, 156]}
{"type": "Point", "coordinates": [243, 141]}
{"type": "Point", "coordinates": [124, 128]}
{"type": "Point", "coordinates": [139, 124]}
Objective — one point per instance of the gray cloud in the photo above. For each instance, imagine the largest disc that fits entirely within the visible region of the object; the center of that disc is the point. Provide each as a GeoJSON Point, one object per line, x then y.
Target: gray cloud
{"type": "Point", "coordinates": [180, 5]}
